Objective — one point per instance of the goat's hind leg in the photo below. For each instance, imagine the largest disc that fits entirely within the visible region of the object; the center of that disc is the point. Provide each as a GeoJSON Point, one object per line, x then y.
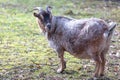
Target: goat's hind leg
{"type": "Point", "coordinates": [102, 65]}
{"type": "Point", "coordinates": [62, 61]}
{"type": "Point", "coordinates": [97, 67]}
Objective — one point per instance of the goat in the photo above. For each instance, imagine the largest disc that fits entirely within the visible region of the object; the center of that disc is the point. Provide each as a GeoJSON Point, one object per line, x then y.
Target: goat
{"type": "Point", "coordinates": [83, 38]}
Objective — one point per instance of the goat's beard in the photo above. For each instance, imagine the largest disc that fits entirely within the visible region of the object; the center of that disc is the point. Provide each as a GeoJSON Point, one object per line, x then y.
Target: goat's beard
{"type": "Point", "coordinates": [46, 32]}
{"type": "Point", "coordinates": [49, 32]}
{"type": "Point", "coordinates": [47, 29]}
{"type": "Point", "coordinates": [47, 35]}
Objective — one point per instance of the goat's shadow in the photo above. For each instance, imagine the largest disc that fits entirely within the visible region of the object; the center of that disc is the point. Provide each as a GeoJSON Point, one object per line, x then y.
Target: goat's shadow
{"type": "Point", "coordinates": [70, 72]}
{"type": "Point", "coordinates": [100, 78]}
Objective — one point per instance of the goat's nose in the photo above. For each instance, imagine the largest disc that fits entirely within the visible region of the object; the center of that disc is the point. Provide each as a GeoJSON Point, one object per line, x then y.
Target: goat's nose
{"type": "Point", "coordinates": [49, 26]}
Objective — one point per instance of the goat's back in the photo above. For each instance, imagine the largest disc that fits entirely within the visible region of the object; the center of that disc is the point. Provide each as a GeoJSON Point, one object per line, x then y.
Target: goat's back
{"type": "Point", "coordinates": [86, 28]}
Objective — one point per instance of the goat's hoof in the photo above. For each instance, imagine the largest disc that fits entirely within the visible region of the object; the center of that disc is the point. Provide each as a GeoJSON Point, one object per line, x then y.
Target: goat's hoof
{"type": "Point", "coordinates": [59, 70]}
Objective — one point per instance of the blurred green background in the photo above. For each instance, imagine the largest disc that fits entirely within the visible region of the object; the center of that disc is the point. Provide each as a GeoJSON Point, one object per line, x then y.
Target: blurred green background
{"type": "Point", "coordinates": [24, 51]}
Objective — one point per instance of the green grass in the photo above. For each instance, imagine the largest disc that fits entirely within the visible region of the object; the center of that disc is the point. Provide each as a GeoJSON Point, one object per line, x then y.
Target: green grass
{"type": "Point", "coordinates": [24, 51]}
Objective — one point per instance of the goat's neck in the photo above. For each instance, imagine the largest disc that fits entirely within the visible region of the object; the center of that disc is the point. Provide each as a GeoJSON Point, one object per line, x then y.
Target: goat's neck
{"type": "Point", "coordinates": [60, 21]}
{"type": "Point", "coordinates": [58, 25]}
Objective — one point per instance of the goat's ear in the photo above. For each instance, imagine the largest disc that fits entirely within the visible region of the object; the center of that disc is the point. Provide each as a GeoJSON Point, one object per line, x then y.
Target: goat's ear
{"type": "Point", "coordinates": [48, 9]}
{"type": "Point", "coordinates": [35, 14]}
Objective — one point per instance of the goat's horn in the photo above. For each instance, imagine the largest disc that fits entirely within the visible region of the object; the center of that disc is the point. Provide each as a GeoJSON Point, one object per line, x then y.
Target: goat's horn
{"type": "Point", "coordinates": [38, 8]}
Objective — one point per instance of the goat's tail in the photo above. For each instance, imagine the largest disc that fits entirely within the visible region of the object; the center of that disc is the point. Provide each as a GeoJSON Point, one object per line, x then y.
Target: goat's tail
{"type": "Point", "coordinates": [109, 32]}
{"type": "Point", "coordinates": [112, 26]}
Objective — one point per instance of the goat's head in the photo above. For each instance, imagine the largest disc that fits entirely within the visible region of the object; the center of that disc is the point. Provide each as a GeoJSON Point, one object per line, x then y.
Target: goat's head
{"type": "Point", "coordinates": [44, 18]}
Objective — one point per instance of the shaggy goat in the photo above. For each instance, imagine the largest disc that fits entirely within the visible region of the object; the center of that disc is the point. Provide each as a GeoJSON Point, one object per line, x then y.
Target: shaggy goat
{"type": "Point", "coordinates": [83, 38]}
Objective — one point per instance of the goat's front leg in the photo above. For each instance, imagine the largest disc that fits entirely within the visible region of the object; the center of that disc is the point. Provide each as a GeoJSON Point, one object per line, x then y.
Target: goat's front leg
{"type": "Point", "coordinates": [62, 62]}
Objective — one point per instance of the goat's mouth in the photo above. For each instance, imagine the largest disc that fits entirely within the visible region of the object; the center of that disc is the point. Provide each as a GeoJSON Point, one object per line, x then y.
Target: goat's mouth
{"type": "Point", "coordinates": [48, 26]}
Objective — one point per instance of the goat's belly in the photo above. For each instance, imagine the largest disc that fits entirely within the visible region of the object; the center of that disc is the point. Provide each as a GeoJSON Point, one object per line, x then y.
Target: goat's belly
{"type": "Point", "coordinates": [83, 55]}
